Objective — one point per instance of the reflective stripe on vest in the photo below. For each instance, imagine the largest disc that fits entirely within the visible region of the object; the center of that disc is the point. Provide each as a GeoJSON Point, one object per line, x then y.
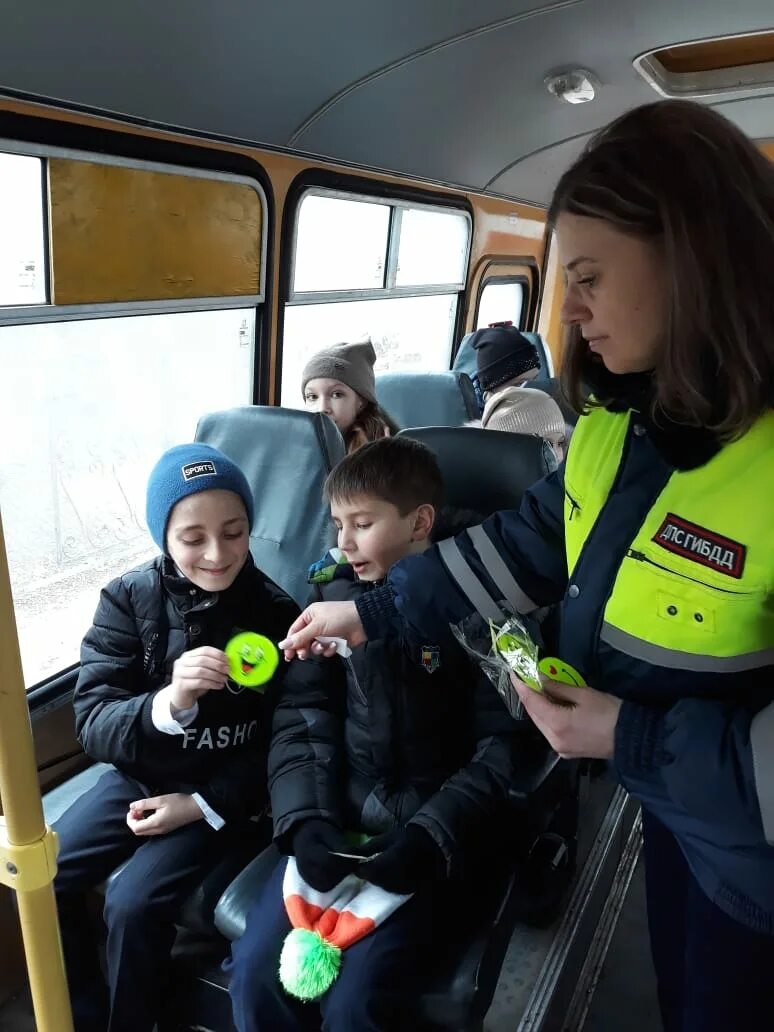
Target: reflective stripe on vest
{"type": "Point", "coordinates": [762, 741]}
{"type": "Point", "coordinates": [496, 568]}
{"type": "Point", "coordinates": [694, 591]}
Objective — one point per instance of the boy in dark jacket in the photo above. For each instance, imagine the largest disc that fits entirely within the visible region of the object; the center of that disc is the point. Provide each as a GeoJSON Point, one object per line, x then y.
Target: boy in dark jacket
{"type": "Point", "coordinates": [407, 743]}
{"type": "Point", "coordinates": [187, 744]}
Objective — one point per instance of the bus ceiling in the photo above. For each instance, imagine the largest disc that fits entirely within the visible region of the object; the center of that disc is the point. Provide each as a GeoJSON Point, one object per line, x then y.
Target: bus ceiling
{"type": "Point", "coordinates": [456, 94]}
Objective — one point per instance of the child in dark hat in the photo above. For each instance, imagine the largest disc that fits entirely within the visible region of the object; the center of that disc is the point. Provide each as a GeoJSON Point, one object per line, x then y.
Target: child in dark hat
{"type": "Point", "coordinates": [504, 358]}
{"type": "Point", "coordinates": [506, 363]}
{"type": "Point", "coordinates": [187, 745]}
{"type": "Point", "coordinates": [339, 382]}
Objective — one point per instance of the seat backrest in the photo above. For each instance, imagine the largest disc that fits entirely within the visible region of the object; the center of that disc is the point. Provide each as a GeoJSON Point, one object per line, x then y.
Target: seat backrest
{"type": "Point", "coordinates": [285, 455]}
{"type": "Point", "coordinates": [465, 359]}
{"type": "Point", "coordinates": [485, 470]}
{"type": "Point", "coordinates": [427, 399]}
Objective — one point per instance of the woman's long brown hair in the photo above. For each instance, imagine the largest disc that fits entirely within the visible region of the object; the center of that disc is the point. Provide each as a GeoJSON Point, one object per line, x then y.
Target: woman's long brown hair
{"type": "Point", "coordinates": [683, 176]}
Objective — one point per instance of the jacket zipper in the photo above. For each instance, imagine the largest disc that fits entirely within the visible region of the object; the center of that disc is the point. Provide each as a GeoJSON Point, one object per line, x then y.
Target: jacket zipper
{"type": "Point", "coordinates": [574, 507]}
{"type": "Point", "coordinates": [147, 655]}
{"type": "Point", "coordinates": [642, 558]}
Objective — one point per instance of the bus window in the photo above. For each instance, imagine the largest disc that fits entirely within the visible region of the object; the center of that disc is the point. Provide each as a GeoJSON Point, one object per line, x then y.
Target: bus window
{"type": "Point", "coordinates": [92, 392]}
{"type": "Point", "coordinates": [340, 244]}
{"type": "Point", "coordinates": [373, 267]}
{"type": "Point", "coordinates": [500, 301]}
{"type": "Point", "coordinates": [22, 268]}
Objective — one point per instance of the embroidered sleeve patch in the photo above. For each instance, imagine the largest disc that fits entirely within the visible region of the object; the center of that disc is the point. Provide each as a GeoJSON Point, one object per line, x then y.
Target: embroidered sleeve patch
{"type": "Point", "coordinates": [430, 657]}
{"type": "Point", "coordinates": [701, 546]}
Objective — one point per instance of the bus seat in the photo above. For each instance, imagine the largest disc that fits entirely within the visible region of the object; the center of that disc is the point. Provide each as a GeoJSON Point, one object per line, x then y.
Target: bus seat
{"type": "Point", "coordinates": [197, 914]}
{"type": "Point", "coordinates": [285, 455]}
{"type": "Point", "coordinates": [427, 399]}
{"type": "Point", "coordinates": [61, 798]}
{"type": "Point", "coordinates": [485, 470]}
{"type": "Point", "coordinates": [465, 358]}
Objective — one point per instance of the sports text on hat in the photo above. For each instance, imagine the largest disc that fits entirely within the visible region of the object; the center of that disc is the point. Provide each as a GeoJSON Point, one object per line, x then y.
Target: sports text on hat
{"type": "Point", "coordinates": [199, 469]}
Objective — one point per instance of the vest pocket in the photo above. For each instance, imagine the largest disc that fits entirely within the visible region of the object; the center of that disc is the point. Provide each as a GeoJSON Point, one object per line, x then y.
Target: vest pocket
{"type": "Point", "coordinates": [703, 578]}
{"type": "Point", "coordinates": [574, 506]}
{"type": "Point", "coordinates": [573, 502]}
{"type": "Point", "coordinates": [687, 621]}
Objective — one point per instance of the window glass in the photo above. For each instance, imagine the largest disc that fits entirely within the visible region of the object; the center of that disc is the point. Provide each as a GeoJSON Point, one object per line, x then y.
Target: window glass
{"type": "Point", "coordinates": [86, 408]}
{"type": "Point", "coordinates": [500, 302]}
{"type": "Point", "coordinates": [433, 247]}
{"type": "Point", "coordinates": [340, 244]}
{"type": "Point", "coordinates": [22, 247]}
{"type": "Point", "coordinates": [412, 333]}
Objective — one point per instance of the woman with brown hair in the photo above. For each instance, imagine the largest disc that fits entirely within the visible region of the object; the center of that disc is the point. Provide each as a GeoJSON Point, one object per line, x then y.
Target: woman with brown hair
{"type": "Point", "coordinates": [339, 382]}
{"type": "Point", "coordinates": [654, 538]}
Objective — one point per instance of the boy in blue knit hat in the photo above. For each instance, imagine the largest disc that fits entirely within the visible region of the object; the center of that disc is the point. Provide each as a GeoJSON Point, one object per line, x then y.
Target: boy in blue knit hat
{"type": "Point", "coordinates": [187, 745]}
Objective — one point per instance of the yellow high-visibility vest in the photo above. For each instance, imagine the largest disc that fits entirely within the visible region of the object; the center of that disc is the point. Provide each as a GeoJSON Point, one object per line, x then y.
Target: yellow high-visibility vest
{"type": "Point", "coordinates": [695, 588]}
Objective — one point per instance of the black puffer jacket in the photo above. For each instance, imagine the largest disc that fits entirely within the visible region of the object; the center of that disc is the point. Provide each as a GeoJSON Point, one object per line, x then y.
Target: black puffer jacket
{"type": "Point", "coordinates": [402, 733]}
{"type": "Point", "coordinates": [144, 621]}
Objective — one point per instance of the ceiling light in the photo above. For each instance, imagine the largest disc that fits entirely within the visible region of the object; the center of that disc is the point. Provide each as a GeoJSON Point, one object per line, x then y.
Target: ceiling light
{"type": "Point", "coordinates": [575, 86]}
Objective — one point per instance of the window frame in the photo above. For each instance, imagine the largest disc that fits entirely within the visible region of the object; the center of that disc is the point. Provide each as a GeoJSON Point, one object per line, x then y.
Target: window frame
{"type": "Point", "coordinates": [51, 312]}
{"type": "Point", "coordinates": [397, 206]}
{"type": "Point", "coordinates": [519, 278]}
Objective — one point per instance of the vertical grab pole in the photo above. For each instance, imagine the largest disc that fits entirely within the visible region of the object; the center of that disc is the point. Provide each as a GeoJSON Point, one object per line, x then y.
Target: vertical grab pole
{"type": "Point", "coordinates": [27, 847]}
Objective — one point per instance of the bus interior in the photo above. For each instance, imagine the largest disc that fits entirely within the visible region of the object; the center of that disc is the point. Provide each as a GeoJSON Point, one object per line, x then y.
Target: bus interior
{"type": "Point", "coordinates": [196, 198]}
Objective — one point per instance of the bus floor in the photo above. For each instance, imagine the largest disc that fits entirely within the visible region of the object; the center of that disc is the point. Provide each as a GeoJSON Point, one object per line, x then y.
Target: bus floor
{"type": "Point", "coordinates": [625, 995]}
{"type": "Point", "coordinates": [620, 990]}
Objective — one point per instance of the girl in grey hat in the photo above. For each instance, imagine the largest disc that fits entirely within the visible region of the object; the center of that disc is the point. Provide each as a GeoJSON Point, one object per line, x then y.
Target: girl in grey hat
{"type": "Point", "coordinates": [339, 382]}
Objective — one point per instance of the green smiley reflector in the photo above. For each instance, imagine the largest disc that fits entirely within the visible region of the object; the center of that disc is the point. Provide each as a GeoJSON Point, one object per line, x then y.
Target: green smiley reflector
{"type": "Point", "coordinates": [252, 659]}
{"type": "Point", "coordinates": [556, 670]}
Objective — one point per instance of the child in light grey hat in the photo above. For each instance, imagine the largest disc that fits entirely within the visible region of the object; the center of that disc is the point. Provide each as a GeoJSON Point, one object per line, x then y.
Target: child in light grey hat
{"type": "Point", "coordinates": [339, 382]}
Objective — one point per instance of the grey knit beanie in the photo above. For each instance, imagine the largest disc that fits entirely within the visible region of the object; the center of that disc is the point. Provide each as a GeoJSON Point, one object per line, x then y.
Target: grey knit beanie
{"type": "Point", "coordinates": [352, 364]}
{"type": "Point", "coordinates": [523, 410]}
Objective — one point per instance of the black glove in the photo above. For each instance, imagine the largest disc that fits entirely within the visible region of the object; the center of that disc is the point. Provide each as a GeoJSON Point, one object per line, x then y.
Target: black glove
{"type": "Point", "coordinates": [313, 846]}
{"type": "Point", "coordinates": [408, 859]}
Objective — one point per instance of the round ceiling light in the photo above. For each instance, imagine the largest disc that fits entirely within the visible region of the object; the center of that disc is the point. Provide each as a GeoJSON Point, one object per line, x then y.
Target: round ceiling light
{"type": "Point", "coordinates": [574, 86]}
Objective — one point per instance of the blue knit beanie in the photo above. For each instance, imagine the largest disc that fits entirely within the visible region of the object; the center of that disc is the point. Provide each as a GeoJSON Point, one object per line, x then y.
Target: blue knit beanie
{"type": "Point", "coordinates": [185, 470]}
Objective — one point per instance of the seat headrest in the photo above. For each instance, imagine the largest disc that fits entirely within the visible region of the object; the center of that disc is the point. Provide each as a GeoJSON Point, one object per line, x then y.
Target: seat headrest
{"type": "Point", "coordinates": [485, 470]}
{"type": "Point", "coordinates": [286, 456]}
{"type": "Point", "coordinates": [427, 399]}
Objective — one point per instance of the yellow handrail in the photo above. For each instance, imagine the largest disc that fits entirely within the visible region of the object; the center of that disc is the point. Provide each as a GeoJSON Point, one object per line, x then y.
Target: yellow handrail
{"type": "Point", "coordinates": [27, 846]}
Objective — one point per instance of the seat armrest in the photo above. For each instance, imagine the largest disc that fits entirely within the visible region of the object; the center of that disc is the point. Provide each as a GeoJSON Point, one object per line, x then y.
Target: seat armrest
{"type": "Point", "coordinates": [233, 905]}
{"type": "Point", "coordinates": [541, 785]}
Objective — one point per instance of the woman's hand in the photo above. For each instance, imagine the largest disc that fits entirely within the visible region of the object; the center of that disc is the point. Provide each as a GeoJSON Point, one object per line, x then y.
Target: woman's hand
{"type": "Point", "coordinates": [585, 729]}
{"type": "Point", "coordinates": [171, 812]}
{"type": "Point", "coordinates": [327, 620]}
{"type": "Point", "coordinates": [201, 670]}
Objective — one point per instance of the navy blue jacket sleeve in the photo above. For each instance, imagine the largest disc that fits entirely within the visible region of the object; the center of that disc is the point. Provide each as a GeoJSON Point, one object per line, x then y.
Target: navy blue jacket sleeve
{"type": "Point", "coordinates": [668, 759]}
{"type": "Point", "coordinates": [423, 595]}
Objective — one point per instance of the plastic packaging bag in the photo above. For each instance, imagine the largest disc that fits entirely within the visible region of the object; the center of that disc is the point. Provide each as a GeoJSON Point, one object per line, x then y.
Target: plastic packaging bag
{"type": "Point", "coordinates": [501, 650]}
{"type": "Point", "coordinates": [506, 648]}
